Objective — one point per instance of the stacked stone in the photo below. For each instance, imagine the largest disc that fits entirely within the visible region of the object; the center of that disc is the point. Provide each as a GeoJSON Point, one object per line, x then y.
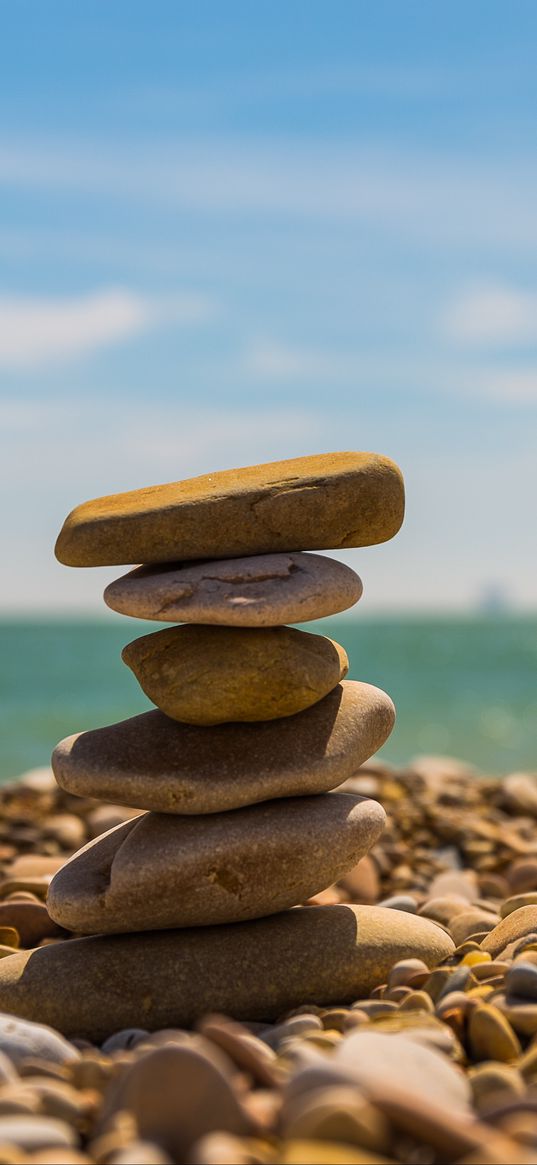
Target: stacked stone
{"type": "Point", "coordinates": [254, 726]}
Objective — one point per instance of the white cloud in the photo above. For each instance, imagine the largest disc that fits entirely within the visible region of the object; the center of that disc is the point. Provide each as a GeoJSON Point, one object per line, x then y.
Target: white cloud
{"type": "Point", "coordinates": [276, 362]}
{"type": "Point", "coordinates": [512, 385]}
{"type": "Point", "coordinates": [38, 331]}
{"type": "Point", "coordinates": [270, 362]}
{"type": "Point", "coordinates": [492, 316]}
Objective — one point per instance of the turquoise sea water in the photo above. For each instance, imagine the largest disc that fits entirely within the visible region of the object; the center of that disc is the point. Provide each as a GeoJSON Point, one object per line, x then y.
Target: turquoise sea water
{"type": "Point", "coordinates": [464, 686]}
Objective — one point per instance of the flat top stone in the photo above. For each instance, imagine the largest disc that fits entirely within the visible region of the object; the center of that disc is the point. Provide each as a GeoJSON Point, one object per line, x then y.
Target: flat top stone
{"type": "Point", "coordinates": [210, 675]}
{"type": "Point", "coordinates": [326, 501]}
{"type": "Point", "coordinates": [162, 870]}
{"type": "Point", "coordinates": [93, 987]}
{"type": "Point", "coordinates": [153, 762]}
{"type": "Point", "coordinates": [262, 590]}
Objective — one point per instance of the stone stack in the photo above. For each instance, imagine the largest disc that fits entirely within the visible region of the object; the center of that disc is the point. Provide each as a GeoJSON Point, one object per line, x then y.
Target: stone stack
{"type": "Point", "coordinates": [254, 726]}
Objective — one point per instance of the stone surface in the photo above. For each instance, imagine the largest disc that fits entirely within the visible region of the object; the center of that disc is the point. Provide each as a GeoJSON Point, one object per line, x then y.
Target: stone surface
{"type": "Point", "coordinates": [155, 763]}
{"type": "Point", "coordinates": [307, 503]}
{"type": "Point", "coordinates": [520, 792]}
{"type": "Point", "coordinates": [521, 980]}
{"type": "Point", "coordinates": [213, 675]}
{"type": "Point", "coordinates": [489, 1035]}
{"type": "Point", "coordinates": [32, 1133]}
{"type": "Point", "coordinates": [379, 1062]}
{"type": "Point", "coordinates": [166, 871]}
{"type": "Point", "coordinates": [21, 1040]}
{"type": "Point", "coordinates": [176, 1094]}
{"type": "Point", "coordinates": [93, 987]}
{"type": "Point", "coordinates": [517, 924]}
{"type": "Point", "coordinates": [29, 918]}
{"type": "Point", "coordinates": [263, 590]}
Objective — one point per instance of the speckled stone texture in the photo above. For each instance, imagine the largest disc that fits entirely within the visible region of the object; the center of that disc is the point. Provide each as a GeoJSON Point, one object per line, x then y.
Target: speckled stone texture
{"type": "Point", "coordinates": [214, 675]}
{"type": "Point", "coordinates": [166, 871]}
{"type": "Point", "coordinates": [263, 590]}
{"type": "Point", "coordinates": [93, 987]}
{"type": "Point", "coordinates": [329, 501]}
{"type": "Point", "coordinates": [152, 762]}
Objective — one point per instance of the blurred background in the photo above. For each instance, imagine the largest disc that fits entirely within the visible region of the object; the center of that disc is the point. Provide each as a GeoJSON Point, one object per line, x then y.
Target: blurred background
{"type": "Point", "coordinates": [239, 232]}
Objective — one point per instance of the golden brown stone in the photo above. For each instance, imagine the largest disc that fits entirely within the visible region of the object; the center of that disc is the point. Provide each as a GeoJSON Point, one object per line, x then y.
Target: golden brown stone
{"type": "Point", "coordinates": [327, 501]}
{"type": "Point", "coordinates": [212, 675]}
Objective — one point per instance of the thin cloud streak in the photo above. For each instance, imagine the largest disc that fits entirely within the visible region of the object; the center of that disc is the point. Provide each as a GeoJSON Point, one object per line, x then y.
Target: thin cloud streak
{"type": "Point", "coordinates": [494, 315]}
{"type": "Point", "coordinates": [271, 362]}
{"type": "Point", "coordinates": [39, 331]}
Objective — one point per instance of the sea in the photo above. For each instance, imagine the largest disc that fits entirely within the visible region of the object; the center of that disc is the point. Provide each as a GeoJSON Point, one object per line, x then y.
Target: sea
{"type": "Point", "coordinates": [463, 686]}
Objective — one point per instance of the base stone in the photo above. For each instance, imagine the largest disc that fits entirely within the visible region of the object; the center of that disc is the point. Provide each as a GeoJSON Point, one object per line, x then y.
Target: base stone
{"type": "Point", "coordinates": [93, 987]}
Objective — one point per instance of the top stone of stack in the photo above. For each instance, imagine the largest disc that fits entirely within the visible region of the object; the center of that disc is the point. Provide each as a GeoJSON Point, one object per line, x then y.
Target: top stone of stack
{"type": "Point", "coordinates": [325, 502]}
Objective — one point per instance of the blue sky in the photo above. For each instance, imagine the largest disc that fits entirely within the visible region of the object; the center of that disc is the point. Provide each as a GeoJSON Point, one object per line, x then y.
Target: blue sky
{"type": "Point", "coordinates": [237, 232]}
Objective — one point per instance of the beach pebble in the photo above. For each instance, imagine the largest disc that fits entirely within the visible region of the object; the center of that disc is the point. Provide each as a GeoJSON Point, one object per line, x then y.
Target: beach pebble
{"type": "Point", "coordinates": [522, 875]}
{"type": "Point", "coordinates": [7, 1067]}
{"type": "Point", "coordinates": [225, 1149]}
{"type": "Point", "coordinates": [9, 937]}
{"type": "Point", "coordinates": [521, 1014]}
{"type": "Point", "coordinates": [93, 987]}
{"type": "Point", "coordinates": [495, 1083]}
{"type": "Point", "coordinates": [295, 1025]}
{"type": "Point", "coordinates": [379, 1063]}
{"type": "Point", "coordinates": [461, 883]}
{"type": "Point", "coordinates": [362, 882]}
{"type": "Point", "coordinates": [264, 590]}
{"type": "Point", "coordinates": [337, 1113]}
{"type": "Point", "coordinates": [30, 919]}
{"type": "Point", "coordinates": [31, 1132]}
{"type": "Point", "coordinates": [443, 908]}
{"type": "Point", "coordinates": [296, 1152]}
{"type": "Point", "coordinates": [404, 971]}
{"type": "Point", "coordinates": [139, 1153]}
{"type": "Point", "coordinates": [490, 1036]}
{"type": "Point", "coordinates": [36, 886]}
{"type": "Point", "coordinates": [515, 926]}
{"type": "Point", "coordinates": [176, 1095]}
{"type": "Point", "coordinates": [65, 828]}
{"type": "Point", "coordinates": [106, 817]}
{"type": "Point", "coordinates": [35, 865]}
{"type": "Point", "coordinates": [212, 675]}
{"type": "Point", "coordinates": [518, 900]}
{"type": "Point", "coordinates": [123, 1040]}
{"type": "Point", "coordinates": [520, 792]}
{"type": "Point", "coordinates": [400, 902]}
{"type": "Point", "coordinates": [20, 1040]}
{"type": "Point", "coordinates": [521, 979]}
{"type": "Point", "coordinates": [247, 1051]}
{"type": "Point", "coordinates": [469, 922]}
{"type": "Point", "coordinates": [156, 763]}
{"type": "Point", "coordinates": [324, 502]}
{"type": "Point", "coordinates": [163, 871]}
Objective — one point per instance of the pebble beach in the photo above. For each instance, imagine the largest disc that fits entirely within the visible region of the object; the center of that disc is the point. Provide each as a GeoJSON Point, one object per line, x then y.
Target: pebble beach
{"type": "Point", "coordinates": [431, 1066]}
{"type": "Point", "coordinates": [229, 932]}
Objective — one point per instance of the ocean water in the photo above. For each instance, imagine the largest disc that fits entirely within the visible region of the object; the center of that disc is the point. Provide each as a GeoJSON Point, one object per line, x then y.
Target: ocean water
{"type": "Point", "coordinates": [462, 686]}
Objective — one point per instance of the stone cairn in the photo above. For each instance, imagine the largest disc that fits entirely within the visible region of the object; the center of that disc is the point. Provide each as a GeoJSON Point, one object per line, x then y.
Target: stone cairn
{"type": "Point", "coordinates": [189, 904]}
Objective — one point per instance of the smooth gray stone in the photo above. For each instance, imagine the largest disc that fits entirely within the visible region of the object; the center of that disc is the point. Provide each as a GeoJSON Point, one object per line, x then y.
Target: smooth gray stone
{"type": "Point", "coordinates": [262, 590]}
{"type": "Point", "coordinates": [21, 1040]}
